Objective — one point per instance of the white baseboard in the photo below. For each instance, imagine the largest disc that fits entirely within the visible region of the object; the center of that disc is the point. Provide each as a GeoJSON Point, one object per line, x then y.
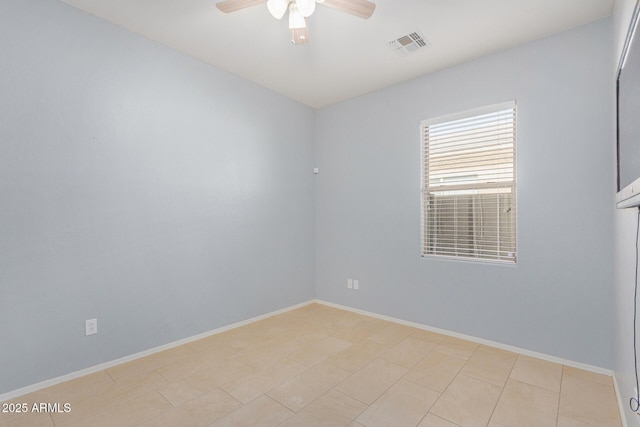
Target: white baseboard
{"type": "Point", "coordinates": [489, 343]}
{"type": "Point", "coordinates": [621, 406]}
{"type": "Point", "coordinates": [97, 368]}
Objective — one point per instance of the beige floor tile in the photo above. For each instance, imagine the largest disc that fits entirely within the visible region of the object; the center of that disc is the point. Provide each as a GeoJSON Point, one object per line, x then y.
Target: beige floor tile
{"type": "Point", "coordinates": [197, 412]}
{"type": "Point", "coordinates": [359, 331]}
{"type": "Point", "coordinates": [309, 385]}
{"type": "Point", "coordinates": [358, 355]}
{"type": "Point", "coordinates": [537, 372]}
{"type": "Point", "coordinates": [179, 393]}
{"type": "Point", "coordinates": [436, 371]}
{"type": "Point", "coordinates": [126, 390]}
{"type": "Point", "coordinates": [570, 422]}
{"type": "Point", "coordinates": [238, 338]}
{"type": "Point", "coordinates": [310, 330]}
{"type": "Point", "coordinates": [213, 346]}
{"type": "Point", "coordinates": [82, 411]}
{"type": "Point", "coordinates": [17, 415]}
{"type": "Point", "coordinates": [428, 336]}
{"type": "Point", "coordinates": [134, 368]}
{"type": "Point", "coordinates": [404, 404]}
{"type": "Point", "coordinates": [172, 418]}
{"type": "Point", "coordinates": [332, 409]}
{"type": "Point", "coordinates": [589, 401]}
{"type": "Point", "coordinates": [268, 351]}
{"type": "Point", "coordinates": [457, 347]}
{"type": "Point", "coordinates": [213, 358]}
{"type": "Point", "coordinates": [210, 407]}
{"type": "Point", "coordinates": [314, 308]}
{"type": "Point", "coordinates": [349, 319]}
{"type": "Point", "coordinates": [144, 365]}
{"type": "Point", "coordinates": [314, 353]}
{"type": "Point", "coordinates": [525, 405]}
{"type": "Point", "coordinates": [312, 335]}
{"type": "Point", "coordinates": [144, 382]}
{"type": "Point", "coordinates": [173, 354]}
{"type": "Point", "coordinates": [467, 402]}
{"type": "Point", "coordinates": [431, 420]}
{"type": "Point", "coordinates": [491, 365]}
{"type": "Point", "coordinates": [25, 419]}
{"type": "Point", "coordinates": [335, 317]}
{"type": "Point", "coordinates": [219, 374]}
{"type": "Point", "coordinates": [204, 381]}
{"type": "Point", "coordinates": [89, 385]}
{"type": "Point", "coordinates": [129, 413]}
{"type": "Point", "coordinates": [392, 334]}
{"type": "Point", "coordinates": [371, 381]}
{"type": "Point", "coordinates": [249, 387]}
{"type": "Point", "coordinates": [586, 375]}
{"type": "Point", "coordinates": [356, 424]}
{"type": "Point", "coordinates": [182, 369]}
{"type": "Point", "coordinates": [268, 329]}
{"type": "Point", "coordinates": [408, 352]}
{"type": "Point", "coordinates": [262, 412]}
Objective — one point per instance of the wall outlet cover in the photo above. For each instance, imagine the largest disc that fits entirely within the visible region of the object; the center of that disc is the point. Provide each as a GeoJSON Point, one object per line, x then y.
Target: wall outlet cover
{"type": "Point", "coordinates": [90, 327]}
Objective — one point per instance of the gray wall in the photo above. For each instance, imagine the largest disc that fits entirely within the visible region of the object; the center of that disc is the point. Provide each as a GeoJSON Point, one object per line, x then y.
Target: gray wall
{"type": "Point", "coordinates": [625, 223]}
{"type": "Point", "coordinates": [557, 300]}
{"type": "Point", "coordinates": [141, 187]}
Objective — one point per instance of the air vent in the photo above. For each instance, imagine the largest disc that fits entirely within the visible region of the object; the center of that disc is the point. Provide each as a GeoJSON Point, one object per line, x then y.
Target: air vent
{"type": "Point", "coordinates": [410, 43]}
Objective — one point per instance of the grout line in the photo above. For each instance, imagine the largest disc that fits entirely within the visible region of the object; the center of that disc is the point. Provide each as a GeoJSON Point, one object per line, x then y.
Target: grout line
{"type": "Point", "coordinates": [447, 387]}
{"type": "Point", "coordinates": [109, 375]}
{"type": "Point", "coordinates": [155, 390]}
{"type": "Point", "coordinates": [560, 394]}
{"type": "Point", "coordinates": [504, 387]}
{"type": "Point", "coordinates": [354, 398]}
{"type": "Point", "coordinates": [341, 393]}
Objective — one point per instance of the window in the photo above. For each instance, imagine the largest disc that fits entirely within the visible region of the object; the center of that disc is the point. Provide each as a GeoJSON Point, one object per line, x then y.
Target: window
{"type": "Point", "coordinates": [469, 185]}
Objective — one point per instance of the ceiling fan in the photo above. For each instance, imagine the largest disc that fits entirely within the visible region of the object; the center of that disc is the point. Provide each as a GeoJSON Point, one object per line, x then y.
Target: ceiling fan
{"type": "Point", "coordinates": [299, 10]}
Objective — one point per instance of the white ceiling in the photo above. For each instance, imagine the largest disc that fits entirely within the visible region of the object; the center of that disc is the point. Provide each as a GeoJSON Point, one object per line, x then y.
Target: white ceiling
{"type": "Point", "coordinates": [346, 56]}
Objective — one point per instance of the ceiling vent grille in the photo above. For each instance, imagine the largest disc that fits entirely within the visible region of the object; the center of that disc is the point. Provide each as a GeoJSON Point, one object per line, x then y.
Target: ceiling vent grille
{"type": "Point", "coordinates": [410, 43]}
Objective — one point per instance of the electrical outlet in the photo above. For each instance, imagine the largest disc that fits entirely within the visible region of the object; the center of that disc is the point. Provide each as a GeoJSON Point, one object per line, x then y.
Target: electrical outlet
{"type": "Point", "coordinates": [91, 326]}
{"type": "Point", "coordinates": [356, 285]}
{"type": "Point", "coordinates": [349, 283]}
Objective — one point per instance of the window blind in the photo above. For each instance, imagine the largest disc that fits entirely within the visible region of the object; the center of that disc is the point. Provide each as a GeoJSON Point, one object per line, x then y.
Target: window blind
{"type": "Point", "coordinates": [469, 184]}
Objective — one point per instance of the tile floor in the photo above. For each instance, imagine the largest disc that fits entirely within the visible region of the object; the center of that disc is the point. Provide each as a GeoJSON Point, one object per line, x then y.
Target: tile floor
{"type": "Point", "coordinates": [320, 366]}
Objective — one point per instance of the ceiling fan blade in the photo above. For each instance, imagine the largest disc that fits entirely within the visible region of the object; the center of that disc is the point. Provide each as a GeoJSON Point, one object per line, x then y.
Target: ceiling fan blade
{"type": "Point", "coordinates": [229, 6]}
{"type": "Point", "coordinates": [362, 8]}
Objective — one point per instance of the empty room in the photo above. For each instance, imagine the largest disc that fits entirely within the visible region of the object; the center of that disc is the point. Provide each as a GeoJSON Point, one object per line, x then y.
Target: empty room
{"type": "Point", "coordinates": [319, 213]}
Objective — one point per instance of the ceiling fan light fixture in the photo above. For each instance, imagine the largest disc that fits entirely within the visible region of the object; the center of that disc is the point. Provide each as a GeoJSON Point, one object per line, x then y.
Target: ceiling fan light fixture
{"type": "Point", "coordinates": [306, 7]}
{"type": "Point", "coordinates": [296, 18]}
{"type": "Point", "coordinates": [277, 8]}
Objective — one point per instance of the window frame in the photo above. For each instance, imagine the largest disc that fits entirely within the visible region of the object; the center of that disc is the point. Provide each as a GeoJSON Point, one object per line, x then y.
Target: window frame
{"type": "Point", "coordinates": [493, 108]}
